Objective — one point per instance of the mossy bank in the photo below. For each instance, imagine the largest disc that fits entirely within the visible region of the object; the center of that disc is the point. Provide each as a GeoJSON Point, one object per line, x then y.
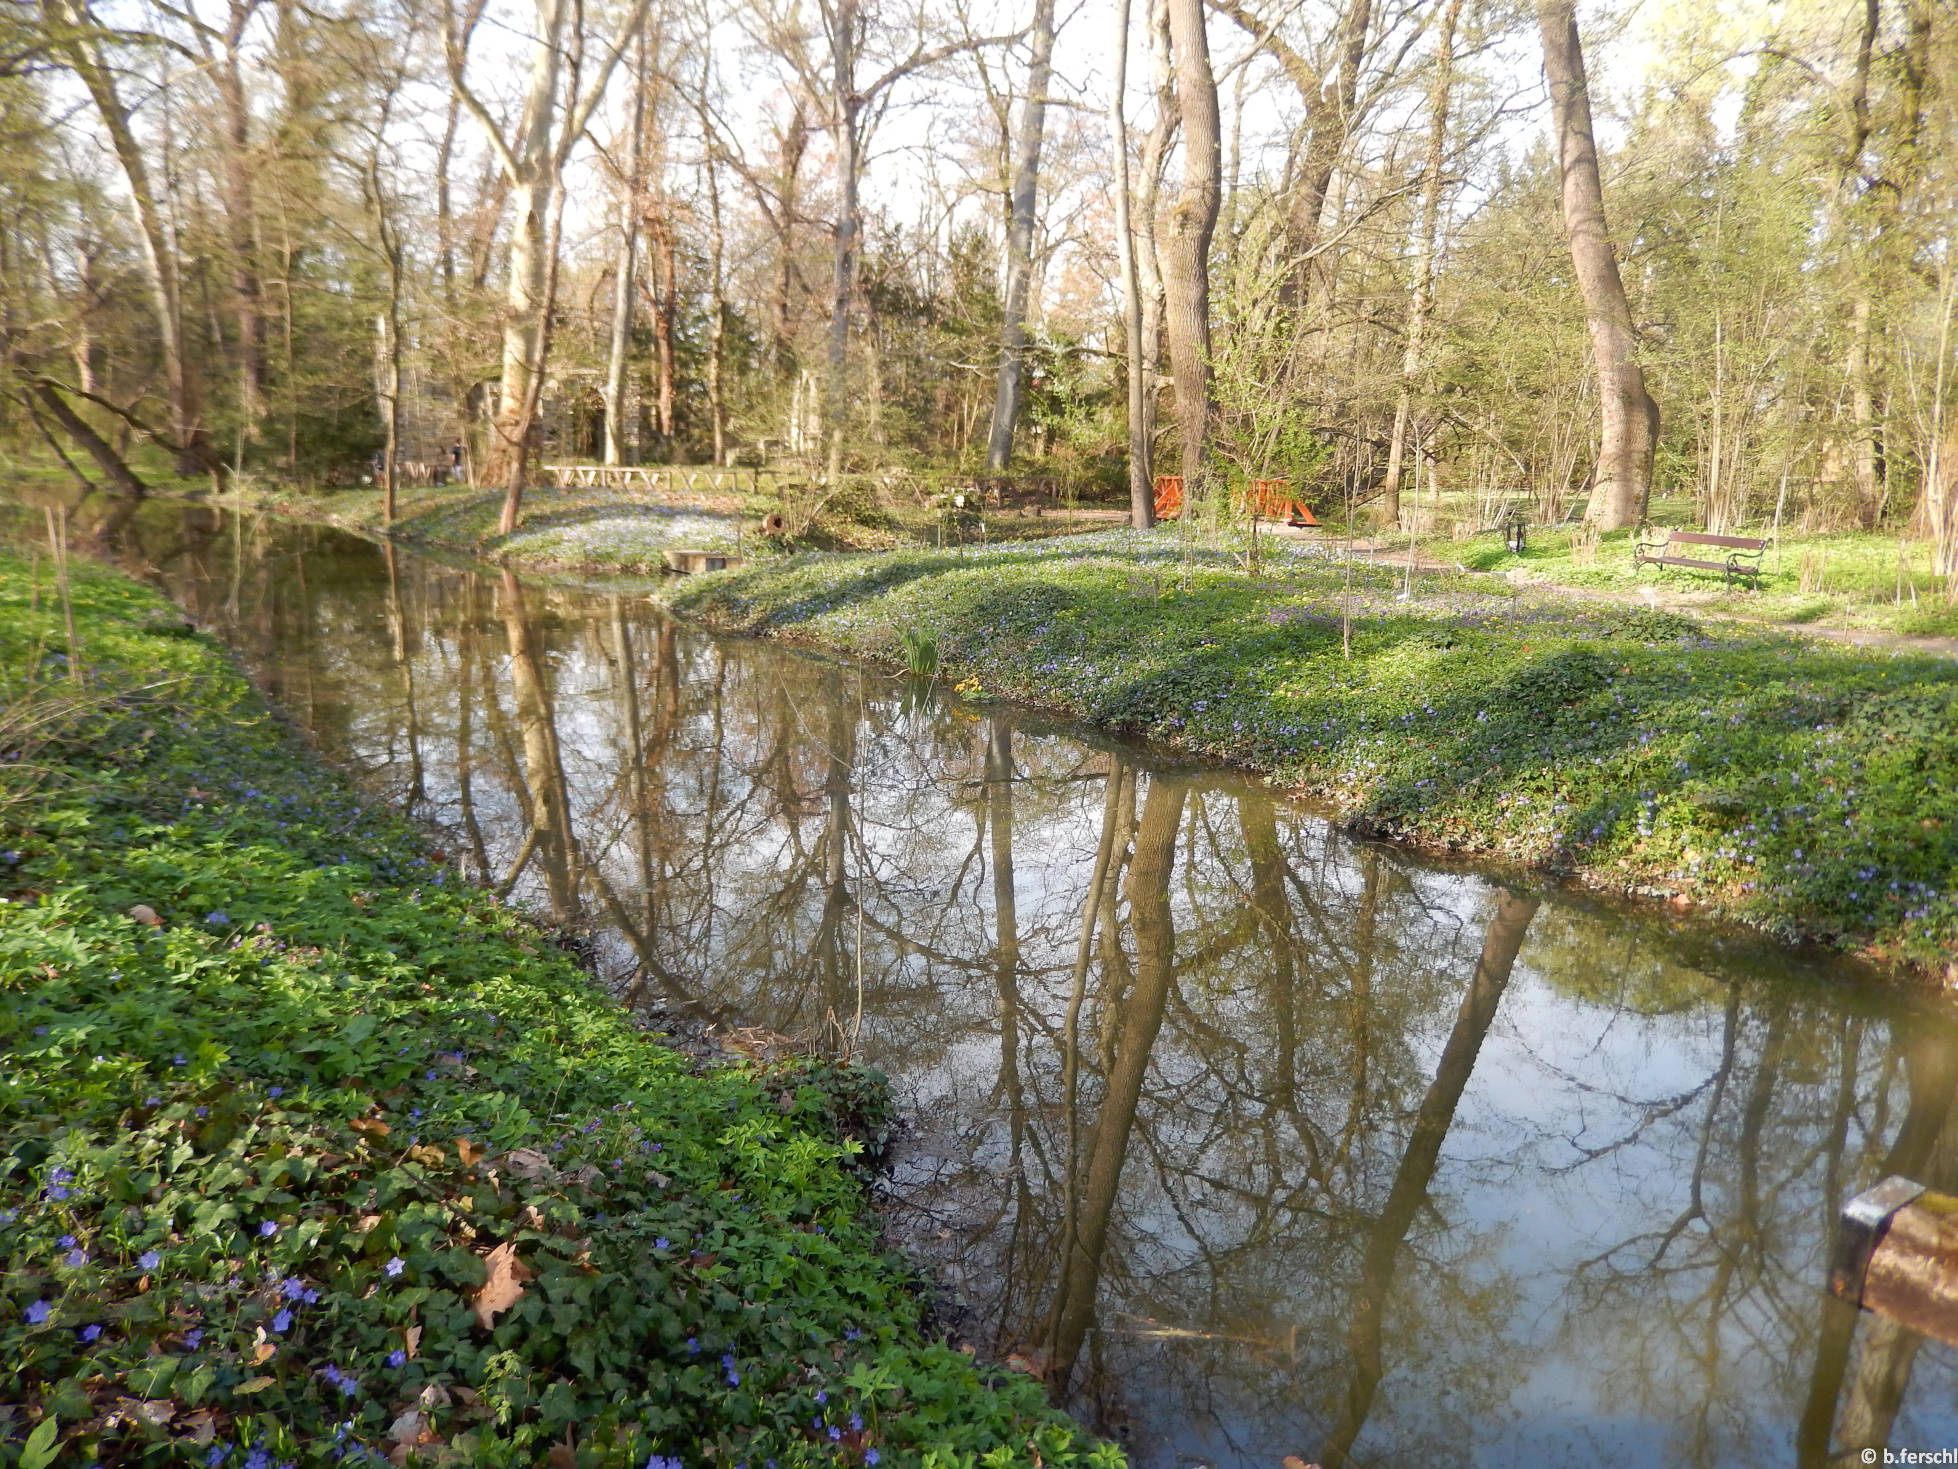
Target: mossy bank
{"type": "Point", "coordinates": [313, 1154]}
{"type": "Point", "coordinates": [1808, 791]}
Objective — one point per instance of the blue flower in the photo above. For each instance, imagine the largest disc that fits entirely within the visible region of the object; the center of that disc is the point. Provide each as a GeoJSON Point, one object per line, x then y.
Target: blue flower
{"type": "Point", "coordinates": [57, 1192]}
{"type": "Point", "coordinates": [258, 1458]}
{"type": "Point", "coordinates": [216, 1456]}
{"type": "Point", "coordinates": [395, 1266]}
{"type": "Point", "coordinates": [282, 1322]}
{"type": "Point", "coordinates": [871, 1456]}
{"type": "Point", "coordinates": [178, 1060]}
{"type": "Point", "coordinates": [277, 1091]}
{"type": "Point", "coordinates": [292, 1287]}
{"type": "Point", "coordinates": [149, 1260]}
{"type": "Point", "coordinates": [397, 1358]}
{"type": "Point", "coordinates": [90, 1332]}
{"type": "Point", "coordinates": [75, 1259]}
{"type": "Point", "coordinates": [662, 1243]}
{"type": "Point", "coordinates": [38, 1313]}
{"type": "Point", "coordinates": [67, 1242]}
{"type": "Point", "coordinates": [267, 1229]}
{"type": "Point", "coordinates": [217, 915]}
{"type": "Point", "coordinates": [194, 1338]}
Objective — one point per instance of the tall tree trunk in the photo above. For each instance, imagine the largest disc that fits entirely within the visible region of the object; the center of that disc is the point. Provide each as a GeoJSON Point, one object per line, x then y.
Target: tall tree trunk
{"type": "Point", "coordinates": [1193, 220]}
{"type": "Point", "coordinates": [240, 221]}
{"type": "Point", "coordinates": [844, 108]}
{"type": "Point", "coordinates": [71, 20]}
{"type": "Point", "coordinates": [631, 185]}
{"type": "Point", "coordinates": [665, 319]}
{"type": "Point", "coordinates": [1142, 510]}
{"type": "Point", "coordinates": [717, 320]}
{"type": "Point", "coordinates": [795, 143]}
{"type": "Point", "coordinates": [1630, 419]}
{"type": "Point", "coordinates": [1421, 306]}
{"type": "Point", "coordinates": [1011, 392]}
{"type": "Point", "coordinates": [1148, 259]}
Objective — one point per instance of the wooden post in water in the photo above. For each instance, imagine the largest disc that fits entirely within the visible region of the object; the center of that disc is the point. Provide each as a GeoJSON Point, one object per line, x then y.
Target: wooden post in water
{"type": "Point", "coordinates": [1897, 1255]}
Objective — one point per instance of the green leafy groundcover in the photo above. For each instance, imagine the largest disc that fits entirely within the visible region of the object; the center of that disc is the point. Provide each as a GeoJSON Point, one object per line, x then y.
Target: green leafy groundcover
{"type": "Point", "coordinates": [274, 1159]}
{"type": "Point", "coordinates": [1806, 790]}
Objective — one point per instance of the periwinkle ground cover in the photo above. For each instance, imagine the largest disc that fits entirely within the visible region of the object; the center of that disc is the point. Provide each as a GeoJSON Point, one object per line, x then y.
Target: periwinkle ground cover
{"type": "Point", "coordinates": [313, 1155]}
{"type": "Point", "coordinates": [1805, 790]}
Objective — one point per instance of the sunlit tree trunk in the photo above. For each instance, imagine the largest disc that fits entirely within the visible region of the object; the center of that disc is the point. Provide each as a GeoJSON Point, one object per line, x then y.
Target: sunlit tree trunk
{"type": "Point", "coordinates": [1629, 425]}
{"type": "Point", "coordinates": [1142, 507]}
{"type": "Point", "coordinates": [845, 104]}
{"type": "Point", "coordinates": [1011, 390]}
{"type": "Point", "coordinates": [1193, 219]}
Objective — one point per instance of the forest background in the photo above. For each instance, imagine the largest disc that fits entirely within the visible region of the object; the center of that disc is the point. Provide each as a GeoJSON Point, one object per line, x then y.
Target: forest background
{"type": "Point", "coordinates": [1340, 242]}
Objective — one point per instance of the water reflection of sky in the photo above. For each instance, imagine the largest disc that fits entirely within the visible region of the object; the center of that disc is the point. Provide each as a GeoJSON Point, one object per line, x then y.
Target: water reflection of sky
{"type": "Point", "coordinates": [1300, 1052]}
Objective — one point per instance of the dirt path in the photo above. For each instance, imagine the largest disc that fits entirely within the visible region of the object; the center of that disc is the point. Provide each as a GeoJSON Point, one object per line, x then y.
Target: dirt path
{"type": "Point", "coordinates": [1655, 598]}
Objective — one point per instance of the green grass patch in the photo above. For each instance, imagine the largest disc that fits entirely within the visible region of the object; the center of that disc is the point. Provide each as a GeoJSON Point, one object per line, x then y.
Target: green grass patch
{"type": "Point", "coordinates": [1804, 790]}
{"type": "Point", "coordinates": [312, 1154]}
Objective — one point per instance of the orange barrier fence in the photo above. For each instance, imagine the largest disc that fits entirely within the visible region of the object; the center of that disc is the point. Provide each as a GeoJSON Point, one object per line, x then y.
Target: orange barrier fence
{"type": "Point", "coordinates": [1169, 496]}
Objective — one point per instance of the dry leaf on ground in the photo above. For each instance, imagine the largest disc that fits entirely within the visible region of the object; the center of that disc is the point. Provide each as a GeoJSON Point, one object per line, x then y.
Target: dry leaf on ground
{"type": "Point", "coordinates": [504, 1288]}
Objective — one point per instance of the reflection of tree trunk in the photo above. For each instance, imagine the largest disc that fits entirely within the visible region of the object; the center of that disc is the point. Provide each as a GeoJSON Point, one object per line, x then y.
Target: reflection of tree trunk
{"type": "Point", "coordinates": [465, 727]}
{"type": "Point", "coordinates": [1931, 1066]}
{"type": "Point", "coordinates": [1142, 1018]}
{"type": "Point", "coordinates": [1257, 815]}
{"type": "Point", "coordinates": [1417, 1168]}
{"type": "Point", "coordinates": [398, 641]}
{"type": "Point", "coordinates": [1116, 973]}
{"type": "Point", "coordinates": [840, 759]}
{"type": "Point", "coordinates": [550, 809]}
{"type": "Point", "coordinates": [1006, 978]}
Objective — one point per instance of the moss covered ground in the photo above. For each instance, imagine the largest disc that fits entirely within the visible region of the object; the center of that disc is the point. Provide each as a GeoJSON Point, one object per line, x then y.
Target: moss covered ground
{"type": "Point", "coordinates": [1808, 790]}
{"type": "Point", "coordinates": [311, 1154]}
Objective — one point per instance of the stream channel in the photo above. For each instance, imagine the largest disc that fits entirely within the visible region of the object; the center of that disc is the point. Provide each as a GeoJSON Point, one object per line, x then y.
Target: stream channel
{"type": "Point", "coordinates": [1310, 1147]}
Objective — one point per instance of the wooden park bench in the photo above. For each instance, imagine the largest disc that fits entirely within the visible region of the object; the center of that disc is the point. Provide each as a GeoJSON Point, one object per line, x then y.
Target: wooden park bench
{"type": "Point", "coordinates": [1896, 1253]}
{"type": "Point", "coordinates": [1742, 562]}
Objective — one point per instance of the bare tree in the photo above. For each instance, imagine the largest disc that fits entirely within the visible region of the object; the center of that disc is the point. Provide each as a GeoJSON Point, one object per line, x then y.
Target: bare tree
{"type": "Point", "coordinates": [532, 159]}
{"type": "Point", "coordinates": [1012, 388]}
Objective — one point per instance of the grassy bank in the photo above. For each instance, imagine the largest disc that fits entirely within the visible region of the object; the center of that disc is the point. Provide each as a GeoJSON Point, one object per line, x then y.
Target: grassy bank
{"type": "Point", "coordinates": [1808, 791]}
{"type": "Point", "coordinates": [312, 1154]}
{"type": "Point", "coordinates": [590, 529]}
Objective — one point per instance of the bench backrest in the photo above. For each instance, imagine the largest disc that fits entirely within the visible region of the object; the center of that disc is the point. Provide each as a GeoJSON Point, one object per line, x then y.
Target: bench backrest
{"type": "Point", "coordinates": [1701, 538]}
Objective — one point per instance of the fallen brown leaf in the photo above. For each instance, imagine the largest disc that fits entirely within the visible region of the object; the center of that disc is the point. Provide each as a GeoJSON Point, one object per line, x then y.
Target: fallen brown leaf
{"type": "Point", "coordinates": [369, 1126]}
{"type": "Point", "coordinates": [144, 913]}
{"type": "Point", "coordinates": [428, 1154]}
{"type": "Point", "coordinates": [528, 1163]}
{"type": "Point", "coordinates": [467, 1151]}
{"type": "Point", "coordinates": [257, 1384]}
{"type": "Point", "coordinates": [413, 1337]}
{"type": "Point", "coordinates": [504, 1288]}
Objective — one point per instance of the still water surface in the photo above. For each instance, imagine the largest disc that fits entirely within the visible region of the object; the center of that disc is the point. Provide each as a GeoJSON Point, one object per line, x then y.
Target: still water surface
{"type": "Point", "coordinates": [1264, 1141]}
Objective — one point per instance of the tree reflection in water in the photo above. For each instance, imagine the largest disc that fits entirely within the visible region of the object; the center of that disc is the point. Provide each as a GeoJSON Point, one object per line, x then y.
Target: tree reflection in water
{"type": "Point", "coordinates": [1253, 1141]}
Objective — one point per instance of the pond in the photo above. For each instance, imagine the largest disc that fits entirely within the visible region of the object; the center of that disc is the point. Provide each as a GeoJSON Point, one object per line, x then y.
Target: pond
{"type": "Point", "coordinates": [1259, 1140]}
